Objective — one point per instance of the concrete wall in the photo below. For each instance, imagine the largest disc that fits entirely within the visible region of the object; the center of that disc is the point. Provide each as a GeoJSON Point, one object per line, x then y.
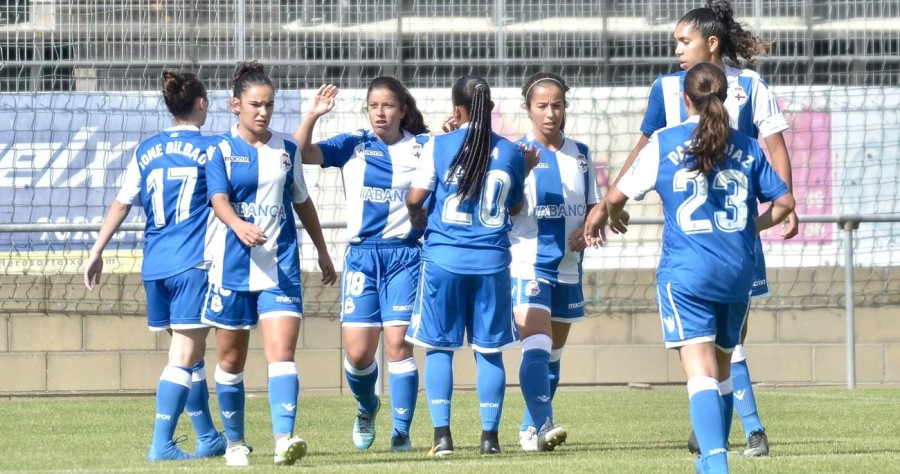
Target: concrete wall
{"type": "Point", "coordinates": [55, 338]}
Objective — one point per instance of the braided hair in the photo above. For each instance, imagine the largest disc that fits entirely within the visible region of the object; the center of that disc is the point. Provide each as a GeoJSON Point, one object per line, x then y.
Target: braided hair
{"type": "Point", "coordinates": [473, 159]}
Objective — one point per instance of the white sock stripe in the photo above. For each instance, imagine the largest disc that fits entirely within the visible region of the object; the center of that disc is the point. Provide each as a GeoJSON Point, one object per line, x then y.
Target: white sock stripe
{"type": "Point", "coordinates": [556, 354]}
{"type": "Point", "coordinates": [698, 384]}
{"type": "Point", "coordinates": [537, 342]}
{"type": "Point", "coordinates": [353, 370]}
{"type": "Point", "coordinates": [176, 375]}
{"type": "Point", "coordinates": [199, 375]}
{"type": "Point", "coordinates": [277, 369]}
{"type": "Point", "coordinates": [738, 355]}
{"type": "Point", "coordinates": [225, 378]}
{"type": "Point", "coordinates": [726, 387]}
{"type": "Point", "coordinates": [402, 366]}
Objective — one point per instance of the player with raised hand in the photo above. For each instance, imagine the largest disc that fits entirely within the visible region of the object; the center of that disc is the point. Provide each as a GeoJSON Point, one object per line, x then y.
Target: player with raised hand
{"type": "Point", "coordinates": [381, 262]}
{"type": "Point", "coordinates": [547, 249]}
{"type": "Point", "coordinates": [168, 175]}
{"type": "Point", "coordinates": [255, 181]}
{"type": "Point", "coordinates": [711, 34]}
{"type": "Point", "coordinates": [709, 178]}
{"type": "Point", "coordinates": [470, 181]}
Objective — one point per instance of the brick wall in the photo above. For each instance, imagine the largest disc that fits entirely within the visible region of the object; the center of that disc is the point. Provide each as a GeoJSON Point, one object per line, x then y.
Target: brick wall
{"type": "Point", "coordinates": [63, 341]}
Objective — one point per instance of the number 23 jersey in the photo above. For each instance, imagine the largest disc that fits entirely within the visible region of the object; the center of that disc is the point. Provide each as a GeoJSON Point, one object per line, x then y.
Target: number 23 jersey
{"type": "Point", "coordinates": [709, 235]}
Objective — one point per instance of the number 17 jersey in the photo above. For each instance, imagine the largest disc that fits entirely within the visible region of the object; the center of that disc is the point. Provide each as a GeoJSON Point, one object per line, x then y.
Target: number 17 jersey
{"type": "Point", "coordinates": [168, 172]}
{"type": "Point", "coordinates": [709, 235]}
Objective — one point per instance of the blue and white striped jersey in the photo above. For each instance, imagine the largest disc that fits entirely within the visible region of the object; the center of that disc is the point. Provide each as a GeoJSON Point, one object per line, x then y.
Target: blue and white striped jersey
{"type": "Point", "coordinates": [557, 193]}
{"type": "Point", "coordinates": [261, 184]}
{"type": "Point", "coordinates": [470, 237]}
{"type": "Point", "coordinates": [168, 171]}
{"type": "Point", "coordinates": [376, 179]}
{"type": "Point", "coordinates": [751, 106]}
{"type": "Point", "coordinates": [709, 237]}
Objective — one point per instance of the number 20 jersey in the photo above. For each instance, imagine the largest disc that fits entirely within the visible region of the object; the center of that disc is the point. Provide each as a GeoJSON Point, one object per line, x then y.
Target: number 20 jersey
{"type": "Point", "coordinates": [168, 172]}
{"type": "Point", "coordinates": [709, 236]}
{"type": "Point", "coordinates": [470, 237]}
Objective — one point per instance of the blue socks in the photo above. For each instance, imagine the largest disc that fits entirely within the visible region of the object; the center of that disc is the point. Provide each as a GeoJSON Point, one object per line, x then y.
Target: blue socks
{"type": "Point", "coordinates": [230, 392]}
{"type": "Point", "coordinates": [535, 381]}
{"type": "Point", "coordinates": [725, 389]}
{"type": "Point", "coordinates": [706, 417]}
{"type": "Point", "coordinates": [284, 390]}
{"type": "Point", "coordinates": [197, 406]}
{"type": "Point", "coordinates": [403, 378]}
{"type": "Point", "coordinates": [555, 367]}
{"type": "Point", "coordinates": [491, 388]}
{"type": "Point", "coordinates": [744, 400]}
{"type": "Point", "coordinates": [171, 395]}
{"type": "Point", "coordinates": [439, 385]}
{"type": "Point", "coordinates": [362, 384]}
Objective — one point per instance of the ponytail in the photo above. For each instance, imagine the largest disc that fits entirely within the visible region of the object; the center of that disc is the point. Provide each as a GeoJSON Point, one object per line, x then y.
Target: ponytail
{"type": "Point", "coordinates": [705, 84]}
{"type": "Point", "coordinates": [473, 159]}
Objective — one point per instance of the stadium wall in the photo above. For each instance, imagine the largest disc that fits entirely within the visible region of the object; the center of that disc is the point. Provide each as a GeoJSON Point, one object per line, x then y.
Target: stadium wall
{"type": "Point", "coordinates": [83, 349]}
{"type": "Point", "coordinates": [62, 155]}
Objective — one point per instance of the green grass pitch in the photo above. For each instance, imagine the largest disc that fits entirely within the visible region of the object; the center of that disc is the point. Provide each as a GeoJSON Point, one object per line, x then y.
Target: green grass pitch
{"type": "Point", "coordinates": [610, 430]}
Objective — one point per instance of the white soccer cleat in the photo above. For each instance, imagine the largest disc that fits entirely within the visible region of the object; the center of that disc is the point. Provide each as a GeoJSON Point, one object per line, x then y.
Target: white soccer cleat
{"type": "Point", "coordinates": [289, 450]}
{"type": "Point", "coordinates": [237, 455]}
{"type": "Point", "coordinates": [528, 439]}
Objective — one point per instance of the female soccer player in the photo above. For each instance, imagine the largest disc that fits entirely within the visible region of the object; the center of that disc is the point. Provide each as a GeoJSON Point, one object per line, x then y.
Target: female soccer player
{"type": "Point", "coordinates": [709, 191]}
{"type": "Point", "coordinates": [254, 182]}
{"type": "Point", "coordinates": [381, 262]}
{"type": "Point", "coordinates": [469, 183]}
{"type": "Point", "coordinates": [168, 172]}
{"type": "Point", "coordinates": [547, 250]}
{"type": "Point", "coordinates": [711, 34]}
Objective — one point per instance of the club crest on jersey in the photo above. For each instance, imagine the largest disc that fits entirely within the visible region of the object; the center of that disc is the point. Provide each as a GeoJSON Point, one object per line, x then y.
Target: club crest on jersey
{"type": "Point", "coordinates": [349, 307]}
{"type": "Point", "coordinates": [285, 162]}
{"type": "Point", "coordinates": [739, 94]}
{"type": "Point", "coordinates": [582, 163]}
{"type": "Point", "coordinates": [532, 288]}
{"type": "Point", "coordinates": [215, 304]}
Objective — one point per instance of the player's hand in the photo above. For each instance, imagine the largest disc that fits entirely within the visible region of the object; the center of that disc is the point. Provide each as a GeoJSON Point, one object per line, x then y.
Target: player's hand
{"type": "Point", "coordinates": [249, 234]}
{"type": "Point", "coordinates": [329, 275]}
{"type": "Point", "coordinates": [619, 223]}
{"type": "Point", "coordinates": [532, 156]}
{"type": "Point", "coordinates": [450, 124]}
{"type": "Point", "coordinates": [791, 226]}
{"type": "Point", "coordinates": [594, 228]}
{"type": "Point", "coordinates": [323, 101]}
{"type": "Point", "coordinates": [93, 270]}
{"type": "Point", "coordinates": [419, 220]}
{"type": "Point", "coordinates": [576, 240]}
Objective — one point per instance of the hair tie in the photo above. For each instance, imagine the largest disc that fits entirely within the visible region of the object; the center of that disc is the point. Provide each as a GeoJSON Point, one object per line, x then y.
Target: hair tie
{"type": "Point", "coordinates": [480, 87]}
{"type": "Point", "coordinates": [528, 91]}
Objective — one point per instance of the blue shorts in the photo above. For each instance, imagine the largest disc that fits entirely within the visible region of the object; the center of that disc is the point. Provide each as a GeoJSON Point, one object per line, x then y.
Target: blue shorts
{"type": "Point", "coordinates": [450, 306]}
{"type": "Point", "coordinates": [564, 302]}
{"type": "Point", "coordinates": [231, 309]}
{"type": "Point", "coordinates": [176, 302]}
{"type": "Point", "coordinates": [687, 319]}
{"type": "Point", "coordinates": [378, 284]}
{"type": "Point", "coordinates": [760, 288]}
